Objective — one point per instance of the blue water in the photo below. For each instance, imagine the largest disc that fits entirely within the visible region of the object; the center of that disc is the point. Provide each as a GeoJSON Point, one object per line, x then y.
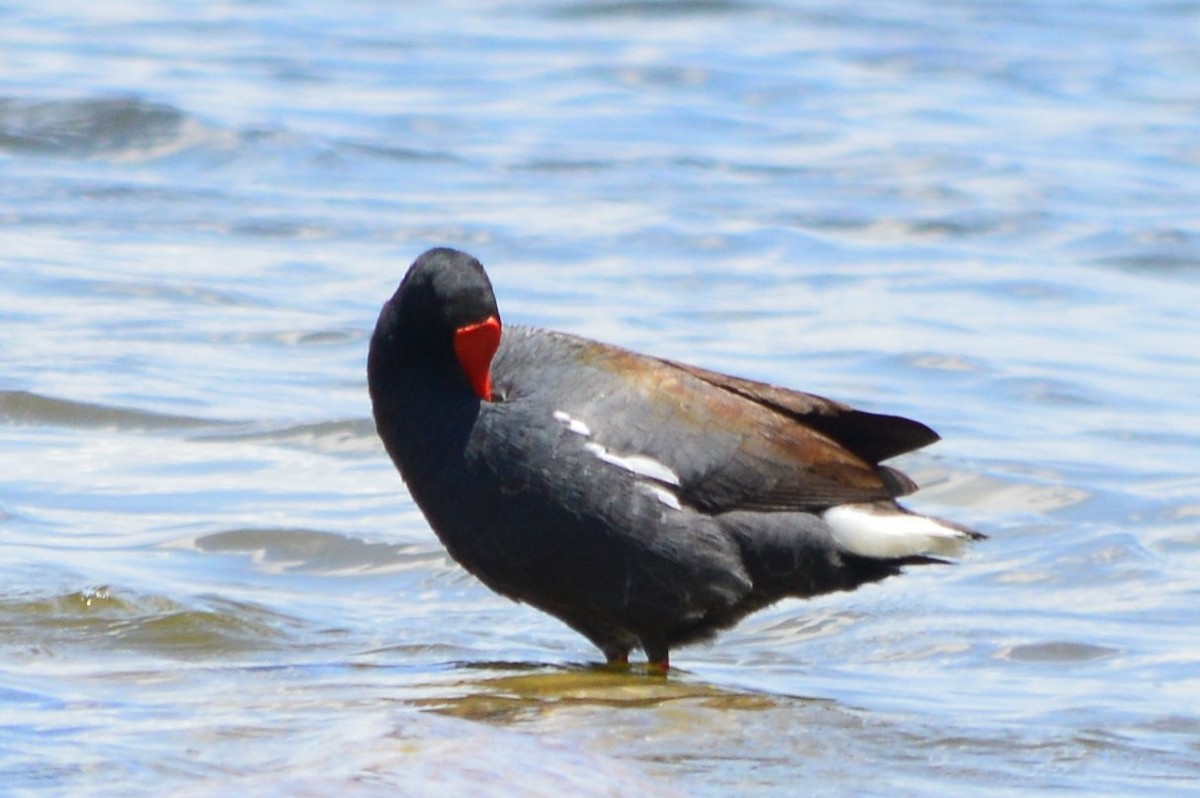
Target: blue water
{"type": "Point", "coordinates": [982, 215]}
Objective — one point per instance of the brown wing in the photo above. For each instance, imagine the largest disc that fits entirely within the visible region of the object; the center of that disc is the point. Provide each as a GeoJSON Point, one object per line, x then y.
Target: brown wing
{"type": "Point", "coordinates": [740, 444]}
{"type": "Point", "coordinates": [872, 436]}
{"type": "Point", "coordinates": [798, 451]}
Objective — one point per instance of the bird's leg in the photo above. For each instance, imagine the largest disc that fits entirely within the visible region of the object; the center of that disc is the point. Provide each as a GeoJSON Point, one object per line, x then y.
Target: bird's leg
{"type": "Point", "coordinates": [616, 658]}
{"type": "Point", "coordinates": [658, 658]}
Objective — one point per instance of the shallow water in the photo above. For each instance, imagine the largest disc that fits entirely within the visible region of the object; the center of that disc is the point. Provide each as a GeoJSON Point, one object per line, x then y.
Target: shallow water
{"type": "Point", "coordinates": [980, 215]}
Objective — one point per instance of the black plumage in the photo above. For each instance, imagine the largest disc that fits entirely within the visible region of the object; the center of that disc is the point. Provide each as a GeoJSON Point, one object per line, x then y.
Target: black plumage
{"type": "Point", "coordinates": [644, 502]}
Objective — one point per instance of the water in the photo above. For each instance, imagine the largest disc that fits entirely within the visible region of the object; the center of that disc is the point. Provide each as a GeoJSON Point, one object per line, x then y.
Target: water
{"type": "Point", "coordinates": [981, 215]}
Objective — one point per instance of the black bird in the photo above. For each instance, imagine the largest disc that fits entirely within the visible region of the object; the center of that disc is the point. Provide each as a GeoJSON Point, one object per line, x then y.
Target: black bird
{"type": "Point", "coordinates": [642, 501]}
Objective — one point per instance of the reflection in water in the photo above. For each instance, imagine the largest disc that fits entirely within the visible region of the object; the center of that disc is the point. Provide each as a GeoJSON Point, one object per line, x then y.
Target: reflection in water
{"type": "Point", "coordinates": [510, 698]}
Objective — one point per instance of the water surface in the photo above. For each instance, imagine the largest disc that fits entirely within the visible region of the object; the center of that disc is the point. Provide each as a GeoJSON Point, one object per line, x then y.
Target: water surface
{"type": "Point", "coordinates": [980, 215]}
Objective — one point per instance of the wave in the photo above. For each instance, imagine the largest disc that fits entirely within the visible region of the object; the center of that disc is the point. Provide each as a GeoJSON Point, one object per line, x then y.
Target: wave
{"type": "Point", "coordinates": [113, 127]}
{"type": "Point", "coordinates": [28, 409]}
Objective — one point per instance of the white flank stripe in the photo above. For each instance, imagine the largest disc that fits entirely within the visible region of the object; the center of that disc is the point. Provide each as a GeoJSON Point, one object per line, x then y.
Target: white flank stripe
{"type": "Point", "coordinates": [662, 494]}
{"type": "Point", "coordinates": [573, 424]}
{"type": "Point", "coordinates": [636, 463]}
{"type": "Point", "coordinates": [868, 532]}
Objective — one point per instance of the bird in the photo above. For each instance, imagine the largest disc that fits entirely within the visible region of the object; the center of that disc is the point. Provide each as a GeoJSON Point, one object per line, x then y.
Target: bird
{"type": "Point", "coordinates": [644, 502]}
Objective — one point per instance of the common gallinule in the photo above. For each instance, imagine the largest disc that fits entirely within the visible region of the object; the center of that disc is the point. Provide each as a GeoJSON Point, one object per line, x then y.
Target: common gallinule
{"type": "Point", "coordinates": [642, 501]}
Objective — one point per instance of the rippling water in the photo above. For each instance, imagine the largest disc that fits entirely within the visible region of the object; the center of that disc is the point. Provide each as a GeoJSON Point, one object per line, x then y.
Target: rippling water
{"type": "Point", "coordinates": [983, 215]}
